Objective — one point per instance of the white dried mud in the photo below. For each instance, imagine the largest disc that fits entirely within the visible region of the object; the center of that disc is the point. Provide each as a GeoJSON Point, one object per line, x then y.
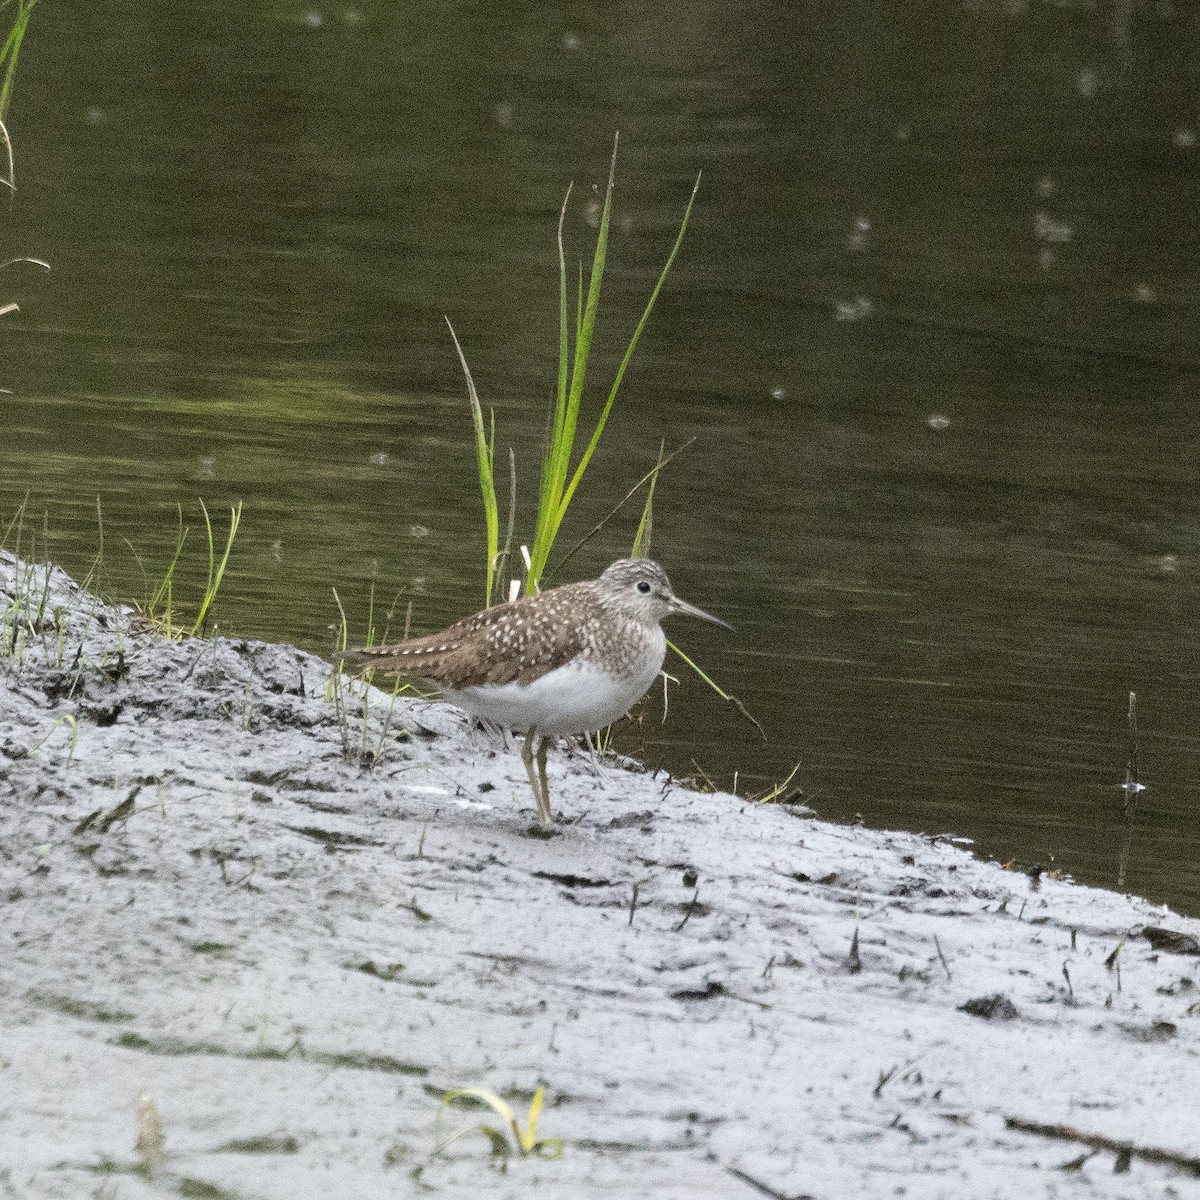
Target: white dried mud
{"type": "Point", "coordinates": [205, 902]}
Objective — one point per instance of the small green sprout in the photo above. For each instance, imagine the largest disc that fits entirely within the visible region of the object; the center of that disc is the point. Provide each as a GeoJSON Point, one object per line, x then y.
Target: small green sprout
{"type": "Point", "coordinates": [779, 792]}
{"type": "Point", "coordinates": [526, 1140]}
{"type": "Point", "coordinates": [69, 721]}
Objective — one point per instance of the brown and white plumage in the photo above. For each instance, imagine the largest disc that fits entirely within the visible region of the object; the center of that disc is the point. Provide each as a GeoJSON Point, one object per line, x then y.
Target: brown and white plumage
{"type": "Point", "coordinates": [569, 660]}
{"type": "Point", "coordinates": [516, 642]}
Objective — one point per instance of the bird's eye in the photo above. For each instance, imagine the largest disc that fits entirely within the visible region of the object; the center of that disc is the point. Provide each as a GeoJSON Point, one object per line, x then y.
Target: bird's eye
{"type": "Point", "coordinates": [644, 586]}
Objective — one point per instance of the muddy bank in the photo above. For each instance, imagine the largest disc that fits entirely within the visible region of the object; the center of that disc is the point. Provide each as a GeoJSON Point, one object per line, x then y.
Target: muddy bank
{"type": "Point", "coordinates": [212, 901]}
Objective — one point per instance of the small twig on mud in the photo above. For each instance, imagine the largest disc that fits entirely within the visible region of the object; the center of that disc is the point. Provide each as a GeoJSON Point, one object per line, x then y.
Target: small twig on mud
{"type": "Point", "coordinates": [417, 911]}
{"type": "Point", "coordinates": [101, 821]}
{"type": "Point", "coordinates": [691, 908]}
{"type": "Point", "coordinates": [884, 1078]}
{"type": "Point", "coordinates": [1097, 1141]}
{"type": "Point", "coordinates": [760, 1187]}
{"type": "Point", "coordinates": [942, 957]}
{"type": "Point", "coordinates": [765, 1005]}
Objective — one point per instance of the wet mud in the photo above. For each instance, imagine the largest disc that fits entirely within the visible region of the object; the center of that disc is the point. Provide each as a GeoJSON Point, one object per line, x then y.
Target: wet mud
{"type": "Point", "coordinates": [250, 937]}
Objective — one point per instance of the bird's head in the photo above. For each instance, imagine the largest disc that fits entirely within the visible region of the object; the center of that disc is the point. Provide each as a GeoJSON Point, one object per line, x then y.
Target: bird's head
{"type": "Point", "coordinates": [641, 587]}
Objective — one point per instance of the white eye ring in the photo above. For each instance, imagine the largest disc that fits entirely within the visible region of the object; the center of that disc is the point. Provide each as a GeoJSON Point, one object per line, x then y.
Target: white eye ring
{"type": "Point", "coordinates": [644, 586]}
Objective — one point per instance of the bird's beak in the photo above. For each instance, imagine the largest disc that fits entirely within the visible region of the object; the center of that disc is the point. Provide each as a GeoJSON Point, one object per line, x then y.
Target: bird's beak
{"type": "Point", "coordinates": [682, 606]}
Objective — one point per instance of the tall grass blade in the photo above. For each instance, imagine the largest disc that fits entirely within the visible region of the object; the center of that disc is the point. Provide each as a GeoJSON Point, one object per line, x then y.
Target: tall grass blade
{"type": "Point", "coordinates": [633, 341]}
{"type": "Point", "coordinates": [484, 457]}
{"type": "Point", "coordinates": [216, 575]}
{"type": "Point", "coordinates": [159, 606]}
{"type": "Point", "coordinates": [557, 465]}
{"type": "Point", "coordinates": [559, 481]}
{"type": "Point", "coordinates": [558, 415]}
{"type": "Point", "coordinates": [12, 48]}
{"type": "Point", "coordinates": [583, 341]}
{"type": "Point", "coordinates": [564, 335]}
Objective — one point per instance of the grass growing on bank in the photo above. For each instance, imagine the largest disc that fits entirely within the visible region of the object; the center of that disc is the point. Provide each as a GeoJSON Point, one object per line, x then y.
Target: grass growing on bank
{"type": "Point", "coordinates": [559, 481]}
{"type": "Point", "coordinates": [176, 604]}
{"type": "Point", "coordinates": [27, 613]}
{"type": "Point", "coordinates": [342, 691]}
{"type": "Point", "coordinates": [160, 609]}
{"type": "Point", "coordinates": [562, 468]}
{"type": "Point", "coordinates": [562, 471]}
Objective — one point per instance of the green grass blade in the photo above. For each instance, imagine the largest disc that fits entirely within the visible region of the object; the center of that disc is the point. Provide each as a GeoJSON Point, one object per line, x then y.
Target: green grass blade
{"type": "Point", "coordinates": [158, 607]}
{"type": "Point", "coordinates": [483, 457]}
{"type": "Point", "coordinates": [558, 415]}
{"type": "Point", "coordinates": [215, 575]}
{"type": "Point", "coordinates": [716, 687]}
{"type": "Point", "coordinates": [564, 335]}
{"type": "Point", "coordinates": [591, 308]}
{"type": "Point", "coordinates": [579, 301]}
{"type": "Point", "coordinates": [12, 48]}
{"type": "Point", "coordinates": [594, 441]}
{"type": "Point", "coordinates": [558, 462]}
{"type": "Point", "coordinates": [208, 533]}
{"type": "Point", "coordinates": [583, 341]}
{"type": "Point", "coordinates": [641, 539]}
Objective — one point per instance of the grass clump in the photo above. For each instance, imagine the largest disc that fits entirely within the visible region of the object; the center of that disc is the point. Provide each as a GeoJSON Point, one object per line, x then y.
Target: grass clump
{"type": "Point", "coordinates": [160, 609]}
{"type": "Point", "coordinates": [563, 467]}
{"type": "Point", "coordinates": [59, 618]}
{"type": "Point", "coordinates": [561, 471]}
{"type": "Point", "coordinates": [352, 700]}
{"type": "Point", "coordinates": [28, 615]}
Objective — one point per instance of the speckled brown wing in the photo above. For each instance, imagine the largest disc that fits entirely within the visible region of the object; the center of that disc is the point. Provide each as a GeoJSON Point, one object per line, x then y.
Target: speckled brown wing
{"type": "Point", "coordinates": [515, 642]}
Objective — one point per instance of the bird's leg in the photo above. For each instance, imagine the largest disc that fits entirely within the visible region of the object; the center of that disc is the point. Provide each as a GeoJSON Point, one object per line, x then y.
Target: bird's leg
{"type": "Point", "coordinates": [527, 759]}
{"type": "Point", "coordinates": [543, 747]}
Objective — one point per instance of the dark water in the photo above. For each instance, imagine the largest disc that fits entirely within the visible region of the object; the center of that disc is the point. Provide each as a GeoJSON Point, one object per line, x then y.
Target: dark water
{"type": "Point", "coordinates": [934, 330]}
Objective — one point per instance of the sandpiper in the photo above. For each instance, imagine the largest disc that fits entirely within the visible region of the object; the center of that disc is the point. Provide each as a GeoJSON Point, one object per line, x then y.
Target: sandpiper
{"type": "Point", "coordinates": [566, 661]}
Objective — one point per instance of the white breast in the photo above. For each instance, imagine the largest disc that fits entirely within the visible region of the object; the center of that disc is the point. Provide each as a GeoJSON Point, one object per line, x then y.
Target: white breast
{"type": "Point", "coordinates": [576, 698]}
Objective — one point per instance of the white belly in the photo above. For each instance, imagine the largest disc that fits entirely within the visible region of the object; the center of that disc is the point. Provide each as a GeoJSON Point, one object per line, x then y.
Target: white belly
{"type": "Point", "coordinates": [576, 698]}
